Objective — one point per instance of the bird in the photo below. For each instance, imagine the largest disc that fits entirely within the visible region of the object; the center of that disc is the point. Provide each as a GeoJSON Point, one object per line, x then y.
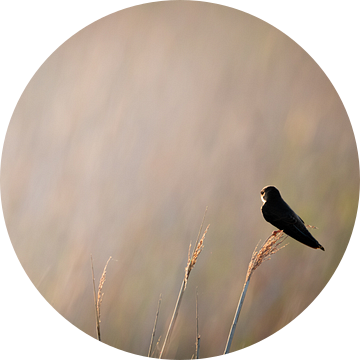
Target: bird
{"type": "Point", "coordinates": [278, 213]}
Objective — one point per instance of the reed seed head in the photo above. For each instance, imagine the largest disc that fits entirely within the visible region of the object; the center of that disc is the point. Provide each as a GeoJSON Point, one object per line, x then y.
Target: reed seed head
{"type": "Point", "coordinates": [192, 259]}
{"type": "Point", "coordinates": [270, 247]}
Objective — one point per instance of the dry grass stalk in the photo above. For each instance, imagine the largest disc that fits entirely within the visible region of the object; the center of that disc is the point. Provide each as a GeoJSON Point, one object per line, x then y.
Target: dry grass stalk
{"type": "Point", "coordinates": [192, 260]}
{"type": "Point", "coordinates": [157, 347]}
{"type": "Point", "coordinates": [99, 295]}
{"type": "Point", "coordinates": [270, 247]}
{"type": "Point", "coordinates": [197, 343]}
{"type": "Point", "coordinates": [190, 265]}
{"type": "Point", "coordinates": [154, 328]}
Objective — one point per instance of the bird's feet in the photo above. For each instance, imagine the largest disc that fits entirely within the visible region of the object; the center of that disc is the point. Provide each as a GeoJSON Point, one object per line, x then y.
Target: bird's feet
{"type": "Point", "coordinates": [275, 232]}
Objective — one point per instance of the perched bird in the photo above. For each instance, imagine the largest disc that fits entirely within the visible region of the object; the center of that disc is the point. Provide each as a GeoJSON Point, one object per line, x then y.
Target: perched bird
{"type": "Point", "coordinates": [278, 213]}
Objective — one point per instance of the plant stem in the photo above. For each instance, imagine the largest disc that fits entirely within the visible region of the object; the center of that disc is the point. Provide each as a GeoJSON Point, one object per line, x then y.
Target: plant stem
{"type": "Point", "coordinates": [96, 304]}
{"type": "Point", "coordinates": [236, 317]}
{"type": "Point", "coordinates": [154, 329]}
{"type": "Point", "coordinates": [173, 319]}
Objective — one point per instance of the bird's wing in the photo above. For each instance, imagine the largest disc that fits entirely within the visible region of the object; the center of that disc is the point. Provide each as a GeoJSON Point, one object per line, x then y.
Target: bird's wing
{"type": "Point", "coordinates": [281, 213]}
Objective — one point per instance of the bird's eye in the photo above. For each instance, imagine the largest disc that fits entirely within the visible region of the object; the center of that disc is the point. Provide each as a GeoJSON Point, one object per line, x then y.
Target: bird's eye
{"type": "Point", "coordinates": [262, 192]}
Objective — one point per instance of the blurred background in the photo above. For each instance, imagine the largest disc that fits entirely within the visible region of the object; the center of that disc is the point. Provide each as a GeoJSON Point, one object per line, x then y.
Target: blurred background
{"type": "Point", "coordinates": [136, 124]}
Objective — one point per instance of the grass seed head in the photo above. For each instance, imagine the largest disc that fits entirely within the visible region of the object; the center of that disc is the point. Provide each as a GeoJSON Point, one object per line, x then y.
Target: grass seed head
{"type": "Point", "coordinates": [270, 247]}
{"type": "Point", "coordinates": [100, 294]}
{"type": "Point", "coordinates": [192, 259]}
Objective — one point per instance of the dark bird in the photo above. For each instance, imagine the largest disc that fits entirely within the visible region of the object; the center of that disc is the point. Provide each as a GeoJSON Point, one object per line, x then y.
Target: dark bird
{"type": "Point", "coordinates": [278, 213]}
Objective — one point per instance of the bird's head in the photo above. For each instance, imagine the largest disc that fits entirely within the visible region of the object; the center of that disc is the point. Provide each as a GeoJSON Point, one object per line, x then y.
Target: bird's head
{"type": "Point", "coordinates": [269, 192]}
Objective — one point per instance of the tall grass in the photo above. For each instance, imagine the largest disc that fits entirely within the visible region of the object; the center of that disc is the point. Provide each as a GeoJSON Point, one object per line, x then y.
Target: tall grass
{"type": "Point", "coordinates": [270, 247]}
{"type": "Point", "coordinates": [199, 245]}
{"type": "Point", "coordinates": [197, 342]}
{"type": "Point", "coordinates": [154, 328]}
{"type": "Point", "coordinates": [98, 296]}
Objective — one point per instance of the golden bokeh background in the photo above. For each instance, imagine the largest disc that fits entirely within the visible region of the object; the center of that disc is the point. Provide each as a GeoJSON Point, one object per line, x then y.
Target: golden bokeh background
{"type": "Point", "coordinates": [136, 124]}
